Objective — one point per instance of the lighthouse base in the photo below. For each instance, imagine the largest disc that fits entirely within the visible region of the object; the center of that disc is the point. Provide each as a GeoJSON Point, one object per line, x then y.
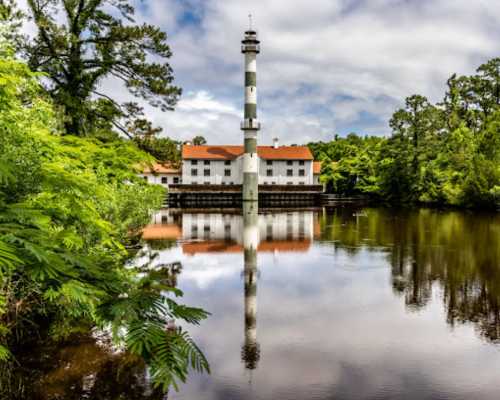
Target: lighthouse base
{"type": "Point", "coordinates": [250, 187]}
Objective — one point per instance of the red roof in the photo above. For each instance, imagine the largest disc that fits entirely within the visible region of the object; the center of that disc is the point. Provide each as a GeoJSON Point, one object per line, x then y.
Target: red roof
{"type": "Point", "coordinates": [316, 167]}
{"type": "Point", "coordinates": [220, 246]}
{"type": "Point", "coordinates": [161, 231]}
{"type": "Point", "coordinates": [162, 168]}
{"type": "Point", "coordinates": [231, 152]}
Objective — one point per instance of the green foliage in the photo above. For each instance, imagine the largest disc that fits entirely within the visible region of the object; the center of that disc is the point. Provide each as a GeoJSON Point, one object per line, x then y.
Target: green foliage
{"type": "Point", "coordinates": [70, 207]}
{"type": "Point", "coordinates": [199, 140]}
{"type": "Point", "coordinates": [443, 154]}
{"type": "Point", "coordinates": [348, 164]}
{"type": "Point", "coordinates": [163, 148]}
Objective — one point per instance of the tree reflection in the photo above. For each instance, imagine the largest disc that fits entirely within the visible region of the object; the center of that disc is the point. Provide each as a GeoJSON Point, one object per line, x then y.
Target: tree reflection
{"type": "Point", "coordinates": [455, 252]}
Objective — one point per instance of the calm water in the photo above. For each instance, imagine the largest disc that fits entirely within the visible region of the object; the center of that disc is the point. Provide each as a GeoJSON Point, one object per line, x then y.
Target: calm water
{"type": "Point", "coordinates": [332, 304]}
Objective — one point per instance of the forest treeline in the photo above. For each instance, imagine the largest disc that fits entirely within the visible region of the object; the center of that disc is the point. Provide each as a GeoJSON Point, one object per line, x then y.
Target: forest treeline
{"type": "Point", "coordinates": [72, 206]}
{"type": "Point", "coordinates": [438, 154]}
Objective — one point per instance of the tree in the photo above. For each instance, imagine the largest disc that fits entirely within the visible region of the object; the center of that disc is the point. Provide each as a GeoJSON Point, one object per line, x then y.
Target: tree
{"type": "Point", "coordinates": [70, 207]}
{"type": "Point", "coordinates": [199, 140]}
{"type": "Point", "coordinates": [11, 18]}
{"type": "Point", "coordinates": [80, 43]}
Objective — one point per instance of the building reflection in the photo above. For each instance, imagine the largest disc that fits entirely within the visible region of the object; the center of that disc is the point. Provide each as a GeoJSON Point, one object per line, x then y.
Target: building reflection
{"type": "Point", "coordinates": [246, 232]}
{"type": "Point", "coordinates": [290, 231]}
{"type": "Point", "coordinates": [223, 233]}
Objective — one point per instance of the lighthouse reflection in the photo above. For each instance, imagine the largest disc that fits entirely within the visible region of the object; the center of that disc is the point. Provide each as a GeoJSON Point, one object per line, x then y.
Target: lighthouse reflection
{"type": "Point", "coordinates": [250, 352]}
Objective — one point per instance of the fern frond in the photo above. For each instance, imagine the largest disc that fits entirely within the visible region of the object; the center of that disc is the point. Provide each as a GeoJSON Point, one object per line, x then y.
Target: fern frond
{"type": "Point", "coordinates": [8, 257]}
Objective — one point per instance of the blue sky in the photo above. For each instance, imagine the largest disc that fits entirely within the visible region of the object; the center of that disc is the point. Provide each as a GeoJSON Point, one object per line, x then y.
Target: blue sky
{"type": "Point", "coordinates": [326, 66]}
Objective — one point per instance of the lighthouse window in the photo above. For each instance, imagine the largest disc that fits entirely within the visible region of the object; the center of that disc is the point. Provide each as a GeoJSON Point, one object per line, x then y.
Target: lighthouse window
{"type": "Point", "coordinates": [194, 172]}
{"type": "Point", "coordinates": [302, 172]}
{"type": "Point", "coordinates": [289, 172]}
{"type": "Point", "coordinates": [269, 172]}
{"type": "Point", "coordinates": [227, 172]}
{"type": "Point", "coordinates": [206, 172]}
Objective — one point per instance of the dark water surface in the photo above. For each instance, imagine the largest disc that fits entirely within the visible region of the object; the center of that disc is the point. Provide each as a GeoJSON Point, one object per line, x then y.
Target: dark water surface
{"type": "Point", "coordinates": [331, 304]}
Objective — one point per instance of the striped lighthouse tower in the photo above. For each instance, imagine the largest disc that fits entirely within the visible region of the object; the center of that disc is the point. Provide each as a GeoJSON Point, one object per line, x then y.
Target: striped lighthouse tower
{"type": "Point", "coordinates": [250, 125]}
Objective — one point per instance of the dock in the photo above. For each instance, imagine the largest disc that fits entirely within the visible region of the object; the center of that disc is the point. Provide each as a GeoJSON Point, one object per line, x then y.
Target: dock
{"type": "Point", "coordinates": [230, 196]}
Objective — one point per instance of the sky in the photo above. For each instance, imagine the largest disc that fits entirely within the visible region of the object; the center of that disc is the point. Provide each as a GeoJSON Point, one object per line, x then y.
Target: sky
{"type": "Point", "coordinates": [325, 67]}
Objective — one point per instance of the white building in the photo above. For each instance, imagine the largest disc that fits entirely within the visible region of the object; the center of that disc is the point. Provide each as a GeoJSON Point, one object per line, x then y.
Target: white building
{"type": "Point", "coordinates": [223, 165]}
{"type": "Point", "coordinates": [162, 174]}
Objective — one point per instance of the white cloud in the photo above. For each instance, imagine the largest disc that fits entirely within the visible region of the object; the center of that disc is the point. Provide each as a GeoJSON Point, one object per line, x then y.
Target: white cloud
{"type": "Point", "coordinates": [328, 66]}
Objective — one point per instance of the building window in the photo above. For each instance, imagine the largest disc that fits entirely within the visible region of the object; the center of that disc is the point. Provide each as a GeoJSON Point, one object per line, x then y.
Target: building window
{"type": "Point", "coordinates": [194, 183]}
{"type": "Point", "coordinates": [206, 172]}
{"type": "Point", "coordinates": [145, 178]}
{"type": "Point", "coordinates": [301, 183]}
{"type": "Point", "coordinates": [302, 172]}
{"type": "Point", "coordinates": [289, 172]}
{"type": "Point", "coordinates": [194, 172]}
{"type": "Point", "coordinates": [206, 162]}
{"type": "Point", "coordinates": [164, 219]}
{"type": "Point", "coordinates": [227, 172]}
{"type": "Point", "coordinates": [269, 162]}
{"type": "Point", "coordinates": [301, 162]}
{"type": "Point", "coordinates": [289, 162]}
{"type": "Point", "coordinates": [223, 183]}
{"type": "Point", "coordinates": [227, 162]}
{"type": "Point", "coordinates": [289, 183]}
{"type": "Point", "coordinates": [164, 179]}
{"type": "Point", "coordinates": [176, 179]}
{"type": "Point", "coordinates": [194, 162]}
{"type": "Point", "coordinates": [269, 172]}
{"type": "Point", "coordinates": [273, 183]}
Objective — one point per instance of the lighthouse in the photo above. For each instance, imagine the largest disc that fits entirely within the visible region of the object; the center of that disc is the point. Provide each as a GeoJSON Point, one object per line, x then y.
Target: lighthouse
{"type": "Point", "coordinates": [250, 125]}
